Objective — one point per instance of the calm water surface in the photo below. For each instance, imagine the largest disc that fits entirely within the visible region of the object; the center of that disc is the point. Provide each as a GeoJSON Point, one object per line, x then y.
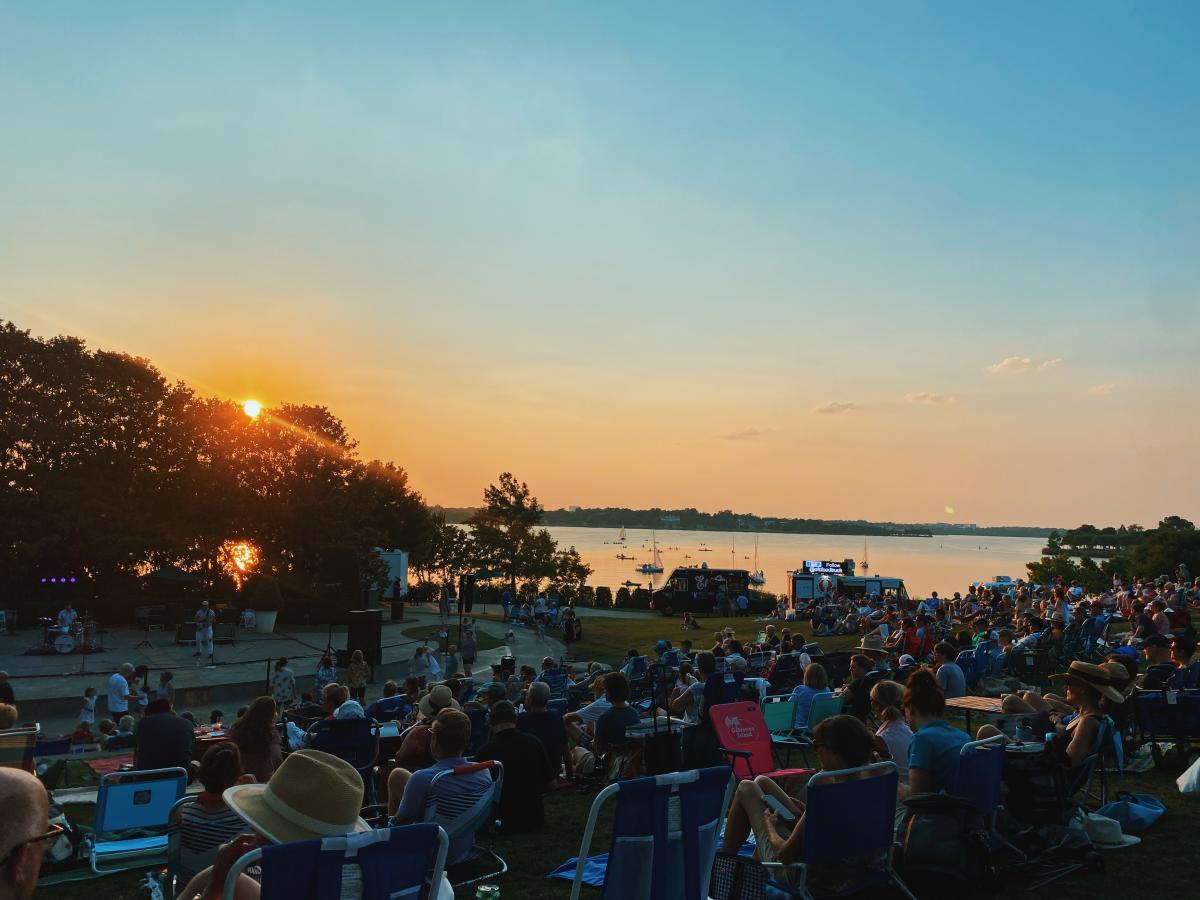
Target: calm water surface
{"type": "Point", "coordinates": [942, 564]}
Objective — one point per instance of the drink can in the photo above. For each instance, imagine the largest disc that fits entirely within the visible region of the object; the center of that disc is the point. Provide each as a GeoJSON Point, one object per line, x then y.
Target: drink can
{"type": "Point", "coordinates": [487, 892]}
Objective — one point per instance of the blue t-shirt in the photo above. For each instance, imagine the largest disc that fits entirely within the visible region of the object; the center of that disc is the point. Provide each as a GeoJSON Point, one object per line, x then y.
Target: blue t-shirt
{"type": "Point", "coordinates": [934, 749]}
{"type": "Point", "coordinates": [951, 680]}
{"type": "Point", "coordinates": [416, 796]}
{"type": "Point", "coordinates": [804, 696]}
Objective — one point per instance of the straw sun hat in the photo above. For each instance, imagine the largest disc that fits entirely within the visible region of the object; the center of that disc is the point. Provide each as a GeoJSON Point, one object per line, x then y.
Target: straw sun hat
{"type": "Point", "coordinates": [439, 697]}
{"type": "Point", "coordinates": [311, 795]}
{"type": "Point", "coordinates": [1096, 677]}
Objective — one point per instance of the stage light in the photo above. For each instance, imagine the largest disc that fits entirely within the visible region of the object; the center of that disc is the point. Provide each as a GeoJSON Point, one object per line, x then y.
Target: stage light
{"type": "Point", "coordinates": [43, 581]}
{"type": "Point", "coordinates": [72, 579]}
{"type": "Point", "coordinates": [252, 408]}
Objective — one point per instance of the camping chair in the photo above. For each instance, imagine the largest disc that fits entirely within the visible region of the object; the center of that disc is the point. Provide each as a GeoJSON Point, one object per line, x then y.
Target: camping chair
{"type": "Point", "coordinates": [1108, 747]}
{"type": "Point", "coordinates": [759, 661]}
{"type": "Point", "coordinates": [1032, 666]}
{"type": "Point", "coordinates": [466, 813]}
{"type": "Point", "coordinates": [396, 864]}
{"type": "Point", "coordinates": [779, 714]}
{"type": "Point", "coordinates": [847, 819]}
{"type": "Point", "coordinates": [555, 679]}
{"type": "Point", "coordinates": [558, 707]}
{"type": "Point", "coordinates": [979, 779]}
{"type": "Point", "coordinates": [1160, 720]}
{"type": "Point", "coordinates": [664, 835]}
{"type": "Point", "coordinates": [16, 748]}
{"type": "Point", "coordinates": [354, 740]}
{"type": "Point", "coordinates": [744, 738]}
{"type": "Point", "coordinates": [175, 876]}
{"type": "Point", "coordinates": [823, 708]}
{"type": "Point", "coordinates": [970, 662]}
{"type": "Point", "coordinates": [133, 800]}
{"type": "Point", "coordinates": [786, 672]}
{"type": "Point", "coordinates": [639, 675]}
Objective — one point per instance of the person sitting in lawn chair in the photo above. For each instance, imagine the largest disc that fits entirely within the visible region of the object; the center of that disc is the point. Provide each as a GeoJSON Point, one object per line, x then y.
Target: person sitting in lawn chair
{"type": "Point", "coordinates": [841, 742]}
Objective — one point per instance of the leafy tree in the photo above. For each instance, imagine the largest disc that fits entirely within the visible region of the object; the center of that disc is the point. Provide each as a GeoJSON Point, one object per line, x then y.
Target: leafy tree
{"type": "Point", "coordinates": [504, 535]}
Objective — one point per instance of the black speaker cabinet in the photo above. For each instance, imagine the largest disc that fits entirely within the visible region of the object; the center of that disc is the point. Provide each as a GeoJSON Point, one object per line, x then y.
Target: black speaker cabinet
{"type": "Point", "coordinates": [365, 633]}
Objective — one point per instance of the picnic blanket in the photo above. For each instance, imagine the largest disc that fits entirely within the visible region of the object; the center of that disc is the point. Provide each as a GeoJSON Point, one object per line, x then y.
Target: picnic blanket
{"type": "Point", "coordinates": [106, 764]}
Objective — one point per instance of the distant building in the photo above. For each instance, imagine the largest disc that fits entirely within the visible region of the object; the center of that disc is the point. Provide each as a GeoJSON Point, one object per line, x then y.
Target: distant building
{"type": "Point", "coordinates": [573, 509]}
{"type": "Point", "coordinates": [397, 561]}
{"type": "Point", "coordinates": [670, 519]}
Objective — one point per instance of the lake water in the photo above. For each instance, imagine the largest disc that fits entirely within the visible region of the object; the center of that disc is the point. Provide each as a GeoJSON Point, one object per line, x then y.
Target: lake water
{"type": "Point", "coordinates": [942, 564]}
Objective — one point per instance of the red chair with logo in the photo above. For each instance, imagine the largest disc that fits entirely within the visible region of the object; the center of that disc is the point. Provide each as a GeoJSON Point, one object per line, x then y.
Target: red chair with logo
{"type": "Point", "coordinates": [744, 738]}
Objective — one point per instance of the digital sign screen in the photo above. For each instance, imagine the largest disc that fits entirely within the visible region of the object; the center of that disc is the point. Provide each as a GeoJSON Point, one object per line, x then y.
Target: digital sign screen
{"type": "Point", "coordinates": [823, 567]}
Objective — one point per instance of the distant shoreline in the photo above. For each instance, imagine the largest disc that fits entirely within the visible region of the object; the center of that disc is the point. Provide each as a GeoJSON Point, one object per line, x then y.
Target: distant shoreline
{"type": "Point", "coordinates": [693, 520]}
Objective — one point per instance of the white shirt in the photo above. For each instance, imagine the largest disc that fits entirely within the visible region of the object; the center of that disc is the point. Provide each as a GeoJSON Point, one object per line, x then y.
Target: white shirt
{"type": "Point", "coordinates": [88, 712]}
{"type": "Point", "coordinates": [593, 711]}
{"type": "Point", "coordinates": [204, 618]}
{"type": "Point", "coordinates": [897, 735]}
{"type": "Point", "coordinates": [67, 617]}
{"type": "Point", "coordinates": [118, 690]}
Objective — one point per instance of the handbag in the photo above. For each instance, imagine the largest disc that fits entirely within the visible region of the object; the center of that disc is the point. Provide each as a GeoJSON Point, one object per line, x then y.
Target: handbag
{"type": "Point", "coordinates": [1135, 812]}
{"type": "Point", "coordinates": [737, 877]}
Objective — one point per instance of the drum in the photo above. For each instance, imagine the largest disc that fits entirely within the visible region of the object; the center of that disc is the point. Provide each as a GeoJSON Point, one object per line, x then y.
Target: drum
{"type": "Point", "coordinates": [64, 643]}
{"type": "Point", "coordinates": [91, 636]}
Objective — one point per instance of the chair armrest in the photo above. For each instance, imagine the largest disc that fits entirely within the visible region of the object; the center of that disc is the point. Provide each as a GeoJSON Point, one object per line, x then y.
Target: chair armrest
{"type": "Point", "coordinates": [741, 754]}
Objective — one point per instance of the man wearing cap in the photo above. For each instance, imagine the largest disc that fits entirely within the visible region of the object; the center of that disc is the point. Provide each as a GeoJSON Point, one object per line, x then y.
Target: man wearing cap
{"type": "Point", "coordinates": [415, 753]}
{"type": "Point", "coordinates": [24, 829]}
{"type": "Point", "coordinates": [1160, 672]}
{"type": "Point", "coordinates": [448, 738]}
{"type": "Point", "coordinates": [311, 795]}
{"type": "Point", "coordinates": [528, 771]}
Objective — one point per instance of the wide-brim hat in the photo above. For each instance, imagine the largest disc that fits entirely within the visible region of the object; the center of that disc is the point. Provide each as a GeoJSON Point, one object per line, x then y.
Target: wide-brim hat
{"type": "Point", "coordinates": [872, 643]}
{"type": "Point", "coordinates": [1095, 677]}
{"type": "Point", "coordinates": [439, 697]}
{"type": "Point", "coordinates": [311, 795]}
{"type": "Point", "coordinates": [1106, 834]}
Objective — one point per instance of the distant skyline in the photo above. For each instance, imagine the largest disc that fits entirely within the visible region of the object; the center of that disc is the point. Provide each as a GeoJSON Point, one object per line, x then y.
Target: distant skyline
{"type": "Point", "coordinates": [844, 261]}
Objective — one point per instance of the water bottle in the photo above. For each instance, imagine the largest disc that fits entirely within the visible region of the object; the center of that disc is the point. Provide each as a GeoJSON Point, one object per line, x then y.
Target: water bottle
{"type": "Point", "coordinates": [487, 892]}
{"type": "Point", "coordinates": [1024, 731]}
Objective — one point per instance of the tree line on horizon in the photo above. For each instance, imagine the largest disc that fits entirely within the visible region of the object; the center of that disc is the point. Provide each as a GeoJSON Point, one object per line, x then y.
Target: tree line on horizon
{"type": "Point", "coordinates": [1126, 552]}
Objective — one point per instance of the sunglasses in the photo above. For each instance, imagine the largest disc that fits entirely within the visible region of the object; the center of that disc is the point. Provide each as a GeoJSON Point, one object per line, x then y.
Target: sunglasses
{"type": "Point", "coordinates": [55, 831]}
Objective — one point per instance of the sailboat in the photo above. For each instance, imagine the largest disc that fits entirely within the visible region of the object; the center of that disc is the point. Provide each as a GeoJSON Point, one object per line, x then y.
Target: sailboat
{"type": "Point", "coordinates": [866, 562]}
{"type": "Point", "coordinates": [621, 536]}
{"type": "Point", "coordinates": [655, 564]}
{"type": "Point", "coordinates": [757, 577]}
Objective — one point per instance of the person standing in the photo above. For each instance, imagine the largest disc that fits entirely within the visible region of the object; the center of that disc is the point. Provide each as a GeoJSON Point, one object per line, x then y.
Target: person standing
{"type": "Point", "coordinates": [358, 673]}
{"type": "Point", "coordinates": [283, 684]}
{"type": "Point", "coordinates": [572, 631]}
{"type": "Point", "coordinates": [204, 618]}
{"type": "Point", "coordinates": [469, 647]}
{"type": "Point", "coordinates": [120, 690]}
{"type": "Point", "coordinates": [6, 691]}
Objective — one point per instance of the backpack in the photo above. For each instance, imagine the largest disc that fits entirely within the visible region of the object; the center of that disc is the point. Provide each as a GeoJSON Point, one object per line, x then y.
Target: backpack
{"type": "Point", "coordinates": [945, 848]}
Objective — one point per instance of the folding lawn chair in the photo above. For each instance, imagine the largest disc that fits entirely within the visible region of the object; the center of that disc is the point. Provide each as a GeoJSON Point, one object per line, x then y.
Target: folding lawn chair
{"type": "Point", "coordinates": [744, 738]}
{"type": "Point", "coordinates": [393, 864]}
{"type": "Point", "coordinates": [979, 779]}
{"type": "Point", "coordinates": [465, 813]}
{"type": "Point", "coordinates": [479, 730]}
{"type": "Point", "coordinates": [664, 835]}
{"type": "Point", "coordinates": [779, 714]}
{"type": "Point", "coordinates": [823, 708]}
{"type": "Point", "coordinates": [853, 819]}
{"type": "Point", "coordinates": [353, 740]}
{"type": "Point", "coordinates": [128, 801]}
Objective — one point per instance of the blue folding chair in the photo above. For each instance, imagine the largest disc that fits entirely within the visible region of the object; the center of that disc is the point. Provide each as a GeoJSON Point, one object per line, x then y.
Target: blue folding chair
{"type": "Point", "coordinates": [664, 835]}
{"type": "Point", "coordinates": [463, 814]}
{"type": "Point", "coordinates": [558, 707]}
{"type": "Point", "coordinates": [555, 679]}
{"type": "Point", "coordinates": [968, 661]}
{"type": "Point", "coordinates": [846, 820]}
{"type": "Point", "coordinates": [394, 864]}
{"type": "Point", "coordinates": [979, 779]}
{"type": "Point", "coordinates": [128, 801]}
{"type": "Point", "coordinates": [354, 740]}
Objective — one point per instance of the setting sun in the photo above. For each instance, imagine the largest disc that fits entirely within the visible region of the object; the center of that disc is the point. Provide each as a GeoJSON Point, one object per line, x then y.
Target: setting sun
{"type": "Point", "coordinates": [252, 408]}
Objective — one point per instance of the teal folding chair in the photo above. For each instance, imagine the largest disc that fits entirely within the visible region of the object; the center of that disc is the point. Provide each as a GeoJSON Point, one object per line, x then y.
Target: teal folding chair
{"type": "Point", "coordinates": [133, 801]}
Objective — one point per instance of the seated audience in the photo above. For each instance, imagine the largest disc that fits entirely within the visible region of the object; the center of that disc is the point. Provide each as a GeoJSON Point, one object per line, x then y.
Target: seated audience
{"type": "Point", "coordinates": [448, 738]}
{"type": "Point", "coordinates": [207, 823]}
{"type": "Point", "coordinates": [162, 739]}
{"type": "Point", "coordinates": [546, 726]}
{"type": "Point", "coordinates": [528, 770]}
{"type": "Point", "coordinates": [610, 727]}
{"type": "Point", "coordinates": [338, 704]}
{"type": "Point", "coordinates": [815, 684]}
{"type": "Point", "coordinates": [120, 737]}
{"type": "Point", "coordinates": [1160, 671]}
{"type": "Point", "coordinates": [894, 737]}
{"type": "Point", "coordinates": [933, 751]}
{"type": "Point", "coordinates": [841, 742]}
{"type": "Point", "coordinates": [257, 739]}
{"type": "Point", "coordinates": [950, 677]}
{"type": "Point", "coordinates": [392, 706]}
{"type": "Point", "coordinates": [415, 751]}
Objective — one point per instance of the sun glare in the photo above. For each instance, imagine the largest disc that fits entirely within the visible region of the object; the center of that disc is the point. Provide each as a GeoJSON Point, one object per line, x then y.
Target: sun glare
{"type": "Point", "coordinates": [252, 408]}
{"type": "Point", "coordinates": [238, 559]}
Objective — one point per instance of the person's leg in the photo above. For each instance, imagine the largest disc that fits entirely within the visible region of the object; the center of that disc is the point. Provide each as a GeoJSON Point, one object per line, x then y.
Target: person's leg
{"type": "Point", "coordinates": [245, 889]}
{"type": "Point", "coordinates": [987, 731]}
{"type": "Point", "coordinates": [395, 789]}
{"type": "Point", "coordinates": [737, 823]}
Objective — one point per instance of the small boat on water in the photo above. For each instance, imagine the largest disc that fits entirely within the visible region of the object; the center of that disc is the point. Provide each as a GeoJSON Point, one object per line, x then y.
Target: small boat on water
{"type": "Point", "coordinates": [865, 565]}
{"type": "Point", "coordinates": [631, 584]}
{"type": "Point", "coordinates": [623, 556]}
{"type": "Point", "coordinates": [621, 535]}
{"type": "Point", "coordinates": [756, 577]}
{"type": "Point", "coordinates": [655, 565]}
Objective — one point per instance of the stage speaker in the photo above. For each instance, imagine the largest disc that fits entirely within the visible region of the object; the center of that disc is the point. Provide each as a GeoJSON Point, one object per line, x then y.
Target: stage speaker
{"type": "Point", "coordinates": [365, 633]}
{"type": "Point", "coordinates": [186, 633]}
{"type": "Point", "coordinates": [397, 610]}
{"type": "Point", "coordinates": [338, 587]}
{"type": "Point", "coordinates": [342, 658]}
{"type": "Point", "coordinates": [224, 633]}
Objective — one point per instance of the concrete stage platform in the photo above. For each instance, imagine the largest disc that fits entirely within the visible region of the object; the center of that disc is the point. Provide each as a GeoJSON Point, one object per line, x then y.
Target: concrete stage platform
{"type": "Point", "coordinates": [49, 688]}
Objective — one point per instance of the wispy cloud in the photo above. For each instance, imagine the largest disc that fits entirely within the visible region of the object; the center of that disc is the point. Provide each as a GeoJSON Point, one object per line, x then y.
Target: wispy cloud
{"type": "Point", "coordinates": [746, 435]}
{"type": "Point", "coordinates": [835, 409]}
{"type": "Point", "coordinates": [927, 399]}
{"type": "Point", "coordinates": [1024, 364]}
{"type": "Point", "coordinates": [1101, 390]}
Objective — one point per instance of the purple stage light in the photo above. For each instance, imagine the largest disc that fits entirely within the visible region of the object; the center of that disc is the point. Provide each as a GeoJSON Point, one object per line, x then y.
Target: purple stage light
{"type": "Point", "coordinates": [43, 581]}
{"type": "Point", "coordinates": [72, 579]}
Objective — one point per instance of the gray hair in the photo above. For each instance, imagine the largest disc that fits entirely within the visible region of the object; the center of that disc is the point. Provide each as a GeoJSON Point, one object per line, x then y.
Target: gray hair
{"type": "Point", "coordinates": [128, 667]}
{"type": "Point", "coordinates": [538, 694]}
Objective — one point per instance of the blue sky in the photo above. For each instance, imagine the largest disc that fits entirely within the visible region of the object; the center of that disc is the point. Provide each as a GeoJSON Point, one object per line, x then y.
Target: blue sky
{"type": "Point", "coordinates": [645, 252]}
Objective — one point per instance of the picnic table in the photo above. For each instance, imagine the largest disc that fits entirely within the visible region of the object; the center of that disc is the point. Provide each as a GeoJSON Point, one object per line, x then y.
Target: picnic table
{"type": "Point", "coordinates": [966, 705]}
{"type": "Point", "coordinates": [205, 738]}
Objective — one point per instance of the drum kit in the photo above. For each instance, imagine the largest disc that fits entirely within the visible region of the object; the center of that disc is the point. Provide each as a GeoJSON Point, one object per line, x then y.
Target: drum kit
{"type": "Point", "coordinates": [82, 637]}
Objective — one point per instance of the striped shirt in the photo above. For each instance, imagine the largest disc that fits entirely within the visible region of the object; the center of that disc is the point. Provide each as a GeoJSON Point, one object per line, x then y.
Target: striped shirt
{"type": "Point", "coordinates": [202, 828]}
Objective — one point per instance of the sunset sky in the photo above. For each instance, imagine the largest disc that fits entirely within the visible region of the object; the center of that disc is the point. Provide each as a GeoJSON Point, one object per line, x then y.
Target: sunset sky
{"type": "Point", "coordinates": [843, 260]}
